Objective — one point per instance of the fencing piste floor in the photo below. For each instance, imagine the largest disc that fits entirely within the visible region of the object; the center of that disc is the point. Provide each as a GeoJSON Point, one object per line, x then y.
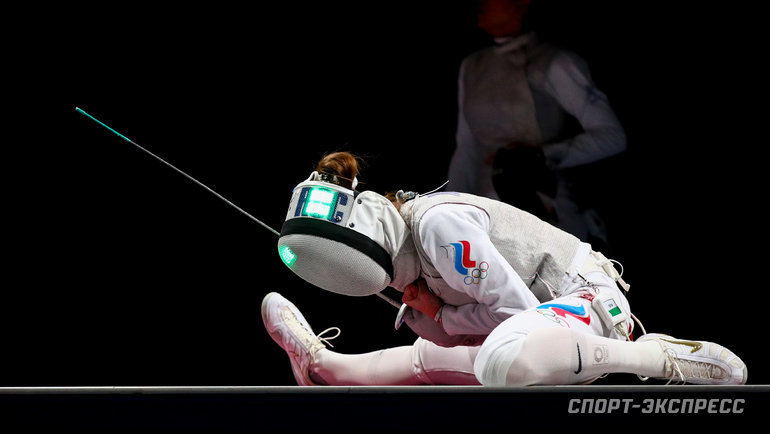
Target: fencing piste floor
{"type": "Point", "coordinates": [396, 409]}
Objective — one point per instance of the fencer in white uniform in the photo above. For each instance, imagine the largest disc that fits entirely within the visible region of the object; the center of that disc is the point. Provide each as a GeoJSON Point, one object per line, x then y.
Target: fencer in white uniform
{"type": "Point", "coordinates": [511, 300]}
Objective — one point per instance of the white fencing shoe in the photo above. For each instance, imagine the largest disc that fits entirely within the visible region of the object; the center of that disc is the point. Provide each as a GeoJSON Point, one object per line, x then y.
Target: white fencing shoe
{"type": "Point", "coordinates": [698, 362]}
{"type": "Point", "coordinates": [289, 329]}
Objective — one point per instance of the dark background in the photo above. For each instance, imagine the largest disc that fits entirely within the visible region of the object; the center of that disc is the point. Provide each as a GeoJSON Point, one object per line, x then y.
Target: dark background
{"type": "Point", "coordinates": [119, 271]}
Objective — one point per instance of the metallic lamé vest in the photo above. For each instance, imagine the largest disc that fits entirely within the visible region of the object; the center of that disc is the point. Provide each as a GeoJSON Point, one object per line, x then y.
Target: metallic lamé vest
{"type": "Point", "coordinates": [537, 251]}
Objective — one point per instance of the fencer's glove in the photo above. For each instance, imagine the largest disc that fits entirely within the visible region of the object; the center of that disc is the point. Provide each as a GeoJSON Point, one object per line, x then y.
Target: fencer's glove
{"type": "Point", "coordinates": [431, 330]}
{"type": "Point", "coordinates": [418, 296]}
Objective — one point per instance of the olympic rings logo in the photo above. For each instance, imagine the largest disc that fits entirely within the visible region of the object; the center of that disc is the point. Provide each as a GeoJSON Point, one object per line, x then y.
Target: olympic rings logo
{"type": "Point", "coordinates": [477, 274]}
{"type": "Point", "coordinates": [550, 315]}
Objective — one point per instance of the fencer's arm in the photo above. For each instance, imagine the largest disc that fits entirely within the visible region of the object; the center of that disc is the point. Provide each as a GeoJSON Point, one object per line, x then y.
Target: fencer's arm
{"type": "Point", "coordinates": [455, 237]}
{"type": "Point", "coordinates": [569, 81]}
{"type": "Point", "coordinates": [467, 156]}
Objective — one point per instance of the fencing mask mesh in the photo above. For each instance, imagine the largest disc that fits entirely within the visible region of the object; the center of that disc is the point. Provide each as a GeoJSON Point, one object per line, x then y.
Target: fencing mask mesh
{"type": "Point", "coordinates": [340, 240]}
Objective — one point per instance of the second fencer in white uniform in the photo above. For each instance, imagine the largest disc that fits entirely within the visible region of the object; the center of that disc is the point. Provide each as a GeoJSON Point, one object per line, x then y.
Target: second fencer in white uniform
{"type": "Point", "coordinates": [523, 94]}
{"type": "Point", "coordinates": [497, 296]}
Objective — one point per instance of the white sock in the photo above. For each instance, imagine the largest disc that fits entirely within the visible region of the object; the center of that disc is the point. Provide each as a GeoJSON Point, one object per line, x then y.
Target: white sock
{"type": "Point", "coordinates": [392, 366]}
{"type": "Point", "coordinates": [564, 356]}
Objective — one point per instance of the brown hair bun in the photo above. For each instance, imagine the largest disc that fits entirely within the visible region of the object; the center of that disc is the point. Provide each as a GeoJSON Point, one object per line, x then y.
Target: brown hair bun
{"type": "Point", "coordinates": [343, 165]}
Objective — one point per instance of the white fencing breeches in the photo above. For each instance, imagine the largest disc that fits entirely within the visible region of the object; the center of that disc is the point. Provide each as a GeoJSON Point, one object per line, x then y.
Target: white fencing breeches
{"type": "Point", "coordinates": [563, 341]}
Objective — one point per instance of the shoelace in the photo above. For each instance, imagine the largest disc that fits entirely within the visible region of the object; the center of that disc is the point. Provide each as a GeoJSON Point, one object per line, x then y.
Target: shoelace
{"type": "Point", "coordinates": [327, 339]}
{"type": "Point", "coordinates": [675, 369]}
{"type": "Point", "coordinates": [697, 369]}
{"type": "Point", "coordinates": [293, 321]}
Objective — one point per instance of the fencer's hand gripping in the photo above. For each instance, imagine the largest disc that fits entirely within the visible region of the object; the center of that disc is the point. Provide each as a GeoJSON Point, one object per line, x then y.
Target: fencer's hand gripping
{"type": "Point", "coordinates": [418, 296]}
{"type": "Point", "coordinates": [427, 322]}
{"type": "Point", "coordinates": [430, 330]}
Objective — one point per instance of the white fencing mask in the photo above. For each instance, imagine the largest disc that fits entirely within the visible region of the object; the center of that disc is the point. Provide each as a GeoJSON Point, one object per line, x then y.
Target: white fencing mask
{"type": "Point", "coordinates": [341, 240]}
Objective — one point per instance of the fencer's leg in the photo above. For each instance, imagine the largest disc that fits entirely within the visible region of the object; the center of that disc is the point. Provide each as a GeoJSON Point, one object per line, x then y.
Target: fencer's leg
{"type": "Point", "coordinates": [388, 367]}
{"type": "Point", "coordinates": [290, 330]}
{"type": "Point", "coordinates": [435, 364]}
{"type": "Point", "coordinates": [314, 364]}
{"type": "Point", "coordinates": [422, 363]}
{"type": "Point", "coordinates": [556, 355]}
{"type": "Point", "coordinates": [570, 218]}
{"type": "Point", "coordinates": [562, 342]}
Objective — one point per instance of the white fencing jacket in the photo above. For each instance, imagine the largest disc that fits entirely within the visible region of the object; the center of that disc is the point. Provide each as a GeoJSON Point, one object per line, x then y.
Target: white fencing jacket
{"type": "Point", "coordinates": [485, 259]}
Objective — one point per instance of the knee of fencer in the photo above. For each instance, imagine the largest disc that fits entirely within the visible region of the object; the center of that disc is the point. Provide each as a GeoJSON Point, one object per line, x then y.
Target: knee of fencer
{"type": "Point", "coordinates": [434, 364]}
{"type": "Point", "coordinates": [544, 357]}
{"type": "Point", "coordinates": [495, 359]}
{"type": "Point", "coordinates": [418, 366]}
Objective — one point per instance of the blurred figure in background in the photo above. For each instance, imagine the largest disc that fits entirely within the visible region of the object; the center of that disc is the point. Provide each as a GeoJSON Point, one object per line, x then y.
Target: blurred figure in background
{"type": "Point", "coordinates": [528, 115]}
